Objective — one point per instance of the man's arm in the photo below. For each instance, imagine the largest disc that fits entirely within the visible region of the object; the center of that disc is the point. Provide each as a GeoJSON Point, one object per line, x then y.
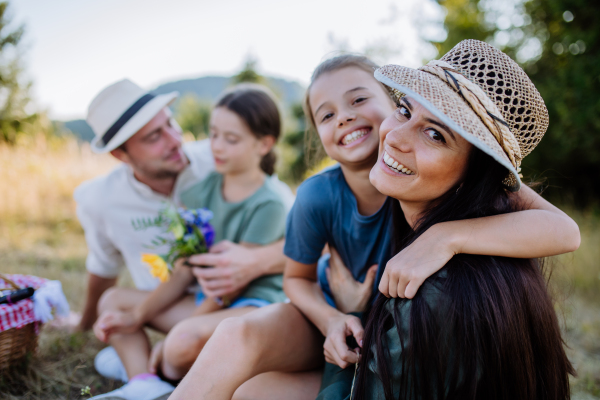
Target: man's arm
{"type": "Point", "coordinates": [96, 286]}
{"type": "Point", "coordinates": [235, 266]}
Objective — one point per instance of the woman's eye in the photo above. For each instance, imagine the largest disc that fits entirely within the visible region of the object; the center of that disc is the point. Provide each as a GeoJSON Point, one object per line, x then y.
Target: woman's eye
{"type": "Point", "coordinates": [404, 111]}
{"type": "Point", "coordinates": [435, 135]}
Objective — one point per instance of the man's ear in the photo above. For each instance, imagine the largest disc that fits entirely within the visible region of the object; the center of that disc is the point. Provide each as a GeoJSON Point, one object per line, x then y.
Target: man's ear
{"type": "Point", "coordinates": [120, 154]}
{"type": "Point", "coordinates": [266, 144]}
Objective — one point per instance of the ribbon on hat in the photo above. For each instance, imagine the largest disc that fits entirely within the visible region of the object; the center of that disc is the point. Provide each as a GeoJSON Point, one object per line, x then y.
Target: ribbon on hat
{"type": "Point", "coordinates": [483, 106]}
{"type": "Point", "coordinates": [126, 116]}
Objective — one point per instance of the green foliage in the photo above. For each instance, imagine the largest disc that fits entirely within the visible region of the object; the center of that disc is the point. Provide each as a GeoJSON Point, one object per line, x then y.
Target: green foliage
{"type": "Point", "coordinates": [14, 92]}
{"type": "Point", "coordinates": [304, 148]}
{"type": "Point", "coordinates": [558, 44]}
{"type": "Point", "coordinates": [248, 73]}
{"type": "Point", "coordinates": [193, 115]}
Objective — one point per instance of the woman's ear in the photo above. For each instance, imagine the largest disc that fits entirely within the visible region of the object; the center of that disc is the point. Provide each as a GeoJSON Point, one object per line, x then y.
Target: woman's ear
{"type": "Point", "coordinates": [266, 143]}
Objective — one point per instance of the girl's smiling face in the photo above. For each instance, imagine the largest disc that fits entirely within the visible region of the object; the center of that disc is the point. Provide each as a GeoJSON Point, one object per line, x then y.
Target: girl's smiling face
{"type": "Point", "coordinates": [420, 158]}
{"type": "Point", "coordinates": [348, 106]}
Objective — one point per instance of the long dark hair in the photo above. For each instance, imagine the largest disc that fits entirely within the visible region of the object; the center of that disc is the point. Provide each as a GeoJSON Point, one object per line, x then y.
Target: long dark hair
{"type": "Point", "coordinates": [256, 106]}
{"type": "Point", "coordinates": [491, 332]}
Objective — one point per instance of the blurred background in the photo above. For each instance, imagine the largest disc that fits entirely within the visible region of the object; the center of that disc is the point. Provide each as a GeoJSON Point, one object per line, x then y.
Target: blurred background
{"type": "Point", "coordinates": [56, 56]}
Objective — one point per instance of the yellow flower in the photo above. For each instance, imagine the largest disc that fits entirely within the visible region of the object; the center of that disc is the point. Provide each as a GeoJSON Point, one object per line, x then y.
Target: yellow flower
{"type": "Point", "coordinates": [158, 267]}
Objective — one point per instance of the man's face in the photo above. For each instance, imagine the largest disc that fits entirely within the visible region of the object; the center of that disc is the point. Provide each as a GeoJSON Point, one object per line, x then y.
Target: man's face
{"type": "Point", "coordinates": [155, 150]}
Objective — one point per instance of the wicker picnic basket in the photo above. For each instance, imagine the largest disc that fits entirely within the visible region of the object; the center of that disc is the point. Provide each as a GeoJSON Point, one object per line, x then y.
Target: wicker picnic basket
{"type": "Point", "coordinates": [16, 343]}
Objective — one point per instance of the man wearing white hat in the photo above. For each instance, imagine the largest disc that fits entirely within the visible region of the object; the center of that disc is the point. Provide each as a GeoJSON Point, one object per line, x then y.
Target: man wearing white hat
{"type": "Point", "coordinates": [136, 127]}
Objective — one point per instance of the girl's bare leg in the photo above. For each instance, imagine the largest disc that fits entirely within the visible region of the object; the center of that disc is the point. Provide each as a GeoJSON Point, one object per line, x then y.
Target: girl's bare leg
{"type": "Point", "coordinates": [273, 338]}
{"type": "Point", "coordinates": [185, 341]}
{"type": "Point", "coordinates": [134, 348]}
{"type": "Point", "coordinates": [281, 385]}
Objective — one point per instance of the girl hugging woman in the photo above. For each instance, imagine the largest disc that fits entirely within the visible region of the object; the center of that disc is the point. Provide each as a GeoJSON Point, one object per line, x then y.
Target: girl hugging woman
{"type": "Point", "coordinates": [433, 173]}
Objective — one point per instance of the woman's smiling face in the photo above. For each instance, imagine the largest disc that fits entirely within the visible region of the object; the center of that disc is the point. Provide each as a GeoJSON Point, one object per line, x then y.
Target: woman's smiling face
{"type": "Point", "coordinates": [348, 106]}
{"type": "Point", "coordinates": [420, 158]}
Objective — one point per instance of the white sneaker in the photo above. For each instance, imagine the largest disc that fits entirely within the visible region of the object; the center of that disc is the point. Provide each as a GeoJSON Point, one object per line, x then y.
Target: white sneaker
{"type": "Point", "coordinates": [147, 389]}
{"type": "Point", "coordinates": [109, 365]}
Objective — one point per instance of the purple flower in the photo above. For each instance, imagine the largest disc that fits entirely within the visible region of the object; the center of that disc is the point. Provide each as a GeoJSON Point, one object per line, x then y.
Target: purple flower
{"type": "Point", "coordinates": [209, 234]}
{"type": "Point", "coordinates": [203, 215]}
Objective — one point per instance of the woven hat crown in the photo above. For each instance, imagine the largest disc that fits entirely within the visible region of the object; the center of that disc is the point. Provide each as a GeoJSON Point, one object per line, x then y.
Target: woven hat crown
{"type": "Point", "coordinates": [505, 82]}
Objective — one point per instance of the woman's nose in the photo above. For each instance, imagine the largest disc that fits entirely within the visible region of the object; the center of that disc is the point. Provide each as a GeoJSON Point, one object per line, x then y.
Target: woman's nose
{"type": "Point", "coordinates": [400, 138]}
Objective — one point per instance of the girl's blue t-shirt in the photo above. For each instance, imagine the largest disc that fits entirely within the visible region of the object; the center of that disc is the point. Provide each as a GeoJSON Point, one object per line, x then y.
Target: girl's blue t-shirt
{"type": "Point", "coordinates": [326, 212]}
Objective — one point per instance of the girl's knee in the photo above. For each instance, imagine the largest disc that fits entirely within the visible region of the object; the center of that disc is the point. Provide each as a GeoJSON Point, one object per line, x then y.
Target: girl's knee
{"type": "Point", "coordinates": [110, 300]}
{"type": "Point", "coordinates": [239, 332]}
{"type": "Point", "coordinates": [183, 344]}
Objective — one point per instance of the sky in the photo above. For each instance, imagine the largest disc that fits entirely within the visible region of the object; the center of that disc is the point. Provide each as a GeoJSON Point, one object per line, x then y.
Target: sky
{"type": "Point", "coordinates": [75, 48]}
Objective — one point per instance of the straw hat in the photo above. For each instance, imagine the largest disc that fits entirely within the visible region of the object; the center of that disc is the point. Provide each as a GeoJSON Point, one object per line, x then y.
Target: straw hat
{"type": "Point", "coordinates": [483, 95]}
{"type": "Point", "coordinates": [120, 110]}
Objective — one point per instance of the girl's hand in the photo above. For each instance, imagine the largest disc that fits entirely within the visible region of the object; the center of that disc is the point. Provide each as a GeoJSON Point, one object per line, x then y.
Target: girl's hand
{"type": "Point", "coordinates": [349, 294]}
{"type": "Point", "coordinates": [407, 270]}
{"type": "Point", "coordinates": [115, 322]}
{"type": "Point", "coordinates": [335, 348]}
{"type": "Point", "coordinates": [156, 356]}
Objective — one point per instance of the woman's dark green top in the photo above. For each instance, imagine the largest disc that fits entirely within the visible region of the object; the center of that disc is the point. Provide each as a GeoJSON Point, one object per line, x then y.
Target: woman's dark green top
{"type": "Point", "coordinates": [337, 383]}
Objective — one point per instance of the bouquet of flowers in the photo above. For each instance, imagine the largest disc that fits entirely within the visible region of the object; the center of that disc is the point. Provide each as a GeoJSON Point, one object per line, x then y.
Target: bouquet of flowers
{"type": "Point", "coordinates": [187, 232]}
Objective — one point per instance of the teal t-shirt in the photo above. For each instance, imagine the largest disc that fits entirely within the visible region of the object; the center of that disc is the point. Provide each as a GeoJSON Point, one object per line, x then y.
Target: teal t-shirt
{"type": "Point", "coordinates": [258, 219]}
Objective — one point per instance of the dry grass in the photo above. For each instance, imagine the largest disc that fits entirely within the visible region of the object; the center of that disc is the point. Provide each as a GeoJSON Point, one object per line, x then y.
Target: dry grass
{"type": "Point", "coordinates": [40, 235]}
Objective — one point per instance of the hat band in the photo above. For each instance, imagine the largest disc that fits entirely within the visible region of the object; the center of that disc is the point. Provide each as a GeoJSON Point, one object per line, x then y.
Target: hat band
{"type": "Point", "coordinates": [112, 131]}
{"type": "Point", "coordinates": [481, 104]}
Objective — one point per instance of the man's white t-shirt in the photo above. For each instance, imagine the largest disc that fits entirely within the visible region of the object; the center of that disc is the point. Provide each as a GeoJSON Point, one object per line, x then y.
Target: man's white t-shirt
{"type": "Point", "coordinates": [107, 205]}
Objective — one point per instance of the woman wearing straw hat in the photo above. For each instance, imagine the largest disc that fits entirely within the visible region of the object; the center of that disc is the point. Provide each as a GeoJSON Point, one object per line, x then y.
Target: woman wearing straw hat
{"type": "Point", "coordinates": [483, 327]}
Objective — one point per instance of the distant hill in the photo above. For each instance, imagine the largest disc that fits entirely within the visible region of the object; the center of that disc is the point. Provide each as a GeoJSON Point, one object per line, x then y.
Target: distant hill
{"type": "Point", "coordinates": [205, 88]}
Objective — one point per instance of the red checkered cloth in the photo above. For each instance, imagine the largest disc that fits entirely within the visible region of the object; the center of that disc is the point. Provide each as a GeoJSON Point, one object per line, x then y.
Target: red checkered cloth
{"type": "Point", "coordinates": [20, 313]}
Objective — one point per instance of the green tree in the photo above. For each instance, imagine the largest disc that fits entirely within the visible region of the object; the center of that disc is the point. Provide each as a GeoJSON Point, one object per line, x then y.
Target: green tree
{"type": "Point", "coordinates": [558, 44]}
{"type": "Point", "coordinates": [193, 115]}
{"type": "Point", "coordinates": [14, 91]}
{"type": "Point", "coordinates": [248, 73]}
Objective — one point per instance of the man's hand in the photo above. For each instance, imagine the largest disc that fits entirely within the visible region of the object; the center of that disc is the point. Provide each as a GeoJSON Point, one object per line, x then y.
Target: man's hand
{"type": "Point", "coordinates": [115, 322]}
{"type": "Point", "coordinates": [349, 294]}
{"type": "Point", "coordinates": [407, 270]}
{"type": "Point", "coordinates": [335, 348]}
{"type": "Point", "coordinates": [234, 267]}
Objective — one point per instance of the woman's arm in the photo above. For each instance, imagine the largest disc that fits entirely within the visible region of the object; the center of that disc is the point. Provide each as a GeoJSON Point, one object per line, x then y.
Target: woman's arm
{"type": "Point", "coordinates": [300, 286]}
{"type": "Point", "coordinates": [540, 230]}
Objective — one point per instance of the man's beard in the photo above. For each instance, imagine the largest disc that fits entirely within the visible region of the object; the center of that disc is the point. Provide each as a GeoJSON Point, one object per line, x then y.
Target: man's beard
{"type": "Point", "coordinates": [164, 174]}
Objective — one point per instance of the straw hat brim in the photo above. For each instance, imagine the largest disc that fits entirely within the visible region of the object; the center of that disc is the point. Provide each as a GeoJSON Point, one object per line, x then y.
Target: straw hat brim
{"type": "Point", "coordinates": [446, 105]}
{"type": "Point", "coordinates": [137, 122]}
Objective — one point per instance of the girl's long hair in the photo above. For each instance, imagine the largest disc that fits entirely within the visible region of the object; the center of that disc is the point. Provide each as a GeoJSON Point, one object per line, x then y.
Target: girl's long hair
{"type": "Point", "coordinates": [496, 335]}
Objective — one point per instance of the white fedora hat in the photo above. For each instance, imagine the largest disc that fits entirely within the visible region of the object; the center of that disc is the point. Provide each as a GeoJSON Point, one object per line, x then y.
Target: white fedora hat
{"type": "Point", "coordinates": [120, 110]}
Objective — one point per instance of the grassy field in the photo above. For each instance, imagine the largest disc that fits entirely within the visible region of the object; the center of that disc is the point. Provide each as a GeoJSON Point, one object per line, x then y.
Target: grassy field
{"type": "Point", "coordinates": [40, 235]}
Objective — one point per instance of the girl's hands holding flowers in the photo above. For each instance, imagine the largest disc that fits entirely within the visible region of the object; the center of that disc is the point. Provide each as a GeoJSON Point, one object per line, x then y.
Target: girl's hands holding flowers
{"type": "Point", "coordinates": [115, 322]}
{"type": "Point", "coordinates": [407, 270]}
{"type": "Point", "coordinates": [335, 347]}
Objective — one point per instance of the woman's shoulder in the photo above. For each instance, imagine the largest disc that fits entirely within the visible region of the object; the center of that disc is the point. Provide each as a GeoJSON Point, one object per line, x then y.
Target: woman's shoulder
{"type": "Point", "coordinates": [432, 292]}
